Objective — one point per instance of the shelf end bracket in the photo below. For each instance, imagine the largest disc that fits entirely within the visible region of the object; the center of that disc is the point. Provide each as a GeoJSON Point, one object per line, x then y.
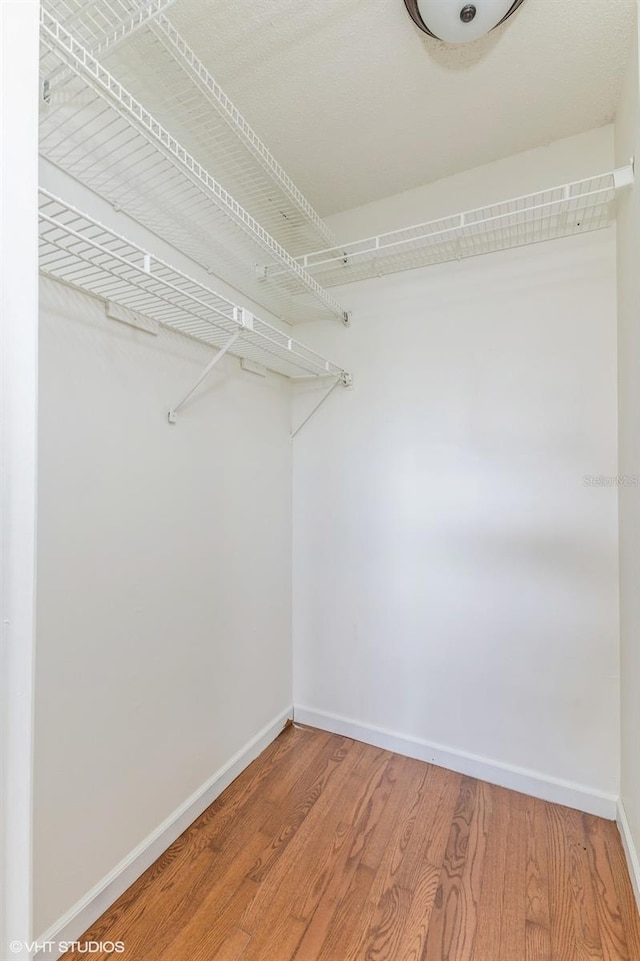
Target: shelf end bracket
{"type": "Point", "coordinates": [624, 176]}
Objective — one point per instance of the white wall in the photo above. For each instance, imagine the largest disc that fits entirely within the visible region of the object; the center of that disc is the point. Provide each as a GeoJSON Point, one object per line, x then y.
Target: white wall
{"type": "Point", "coordinates": [164, 598]}
{"type": "Point", "coordinates": [573, 158]}
{"type": "Point", "coordinates": [18, 428]}
{"type": "Point", "coordinates": [455, 581]}
{"type": "Point", "coordinates": [628, 241]}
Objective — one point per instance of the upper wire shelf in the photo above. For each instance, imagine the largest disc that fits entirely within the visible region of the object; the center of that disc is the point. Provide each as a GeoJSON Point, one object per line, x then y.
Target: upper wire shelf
{"type": "Point", "coordinates": [86, 254]}
{"type": "Point", "coordinates": [95, 130]}
{"type": "Point", "coordinates": [144, 50]}
{"type": "Point", "coordinates": [103, 24]}
{"type": "Point", "coordinates": [572, 208]}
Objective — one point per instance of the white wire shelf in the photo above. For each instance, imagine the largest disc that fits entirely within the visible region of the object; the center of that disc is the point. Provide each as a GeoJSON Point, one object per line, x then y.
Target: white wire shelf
{"type": "Point", "coordinates": [102, 24]}
{"type": "Point", "coordinates": [168, 76]}
{"type": "Point", "coordinates": [160, 69]}
{"type": "Point", "coordinates": [82, 252]}
{"type": "Point", "coordinates": [95, 130]}
{"type": "Point", "coordinates": [572, 208]}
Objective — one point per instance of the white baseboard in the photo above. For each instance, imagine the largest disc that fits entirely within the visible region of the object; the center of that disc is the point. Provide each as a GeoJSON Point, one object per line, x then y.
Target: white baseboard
{"type": "Point", "coordinates": [83, 914]}
{"type": "Point", "coordinates": [495, 772]}
{"type": "Point", "coordinates": [630, 850]}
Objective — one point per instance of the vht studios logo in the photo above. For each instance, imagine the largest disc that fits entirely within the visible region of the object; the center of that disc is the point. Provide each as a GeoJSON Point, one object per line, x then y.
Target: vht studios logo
{"type": "Point", "coordinates": [78, 947]}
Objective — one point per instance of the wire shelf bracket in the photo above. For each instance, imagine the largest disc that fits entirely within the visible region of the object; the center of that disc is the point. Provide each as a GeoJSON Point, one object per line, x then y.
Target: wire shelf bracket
{"type": "Point", "coordinates": [173, 411]}
{"type": "Point", "coordinates": [346, 380]}
{"type": "Point", "coordinates": [625, 176]}
{"type": "Point", "coordinates": [86, 254]}
{"type": "Point", "coordinates": [566, 210]}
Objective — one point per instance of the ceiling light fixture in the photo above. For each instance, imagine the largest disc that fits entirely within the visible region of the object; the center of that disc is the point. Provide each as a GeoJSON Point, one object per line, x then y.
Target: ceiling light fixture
{"type": "Point", "coordinates": [459, 21]}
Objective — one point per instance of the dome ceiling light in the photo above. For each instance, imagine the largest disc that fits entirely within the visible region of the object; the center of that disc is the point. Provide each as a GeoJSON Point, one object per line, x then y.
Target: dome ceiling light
{"type": "Point", "coordinates": [459, 21]}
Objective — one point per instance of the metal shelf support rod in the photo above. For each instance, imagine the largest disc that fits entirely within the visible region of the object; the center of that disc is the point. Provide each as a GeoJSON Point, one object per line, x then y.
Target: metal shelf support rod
{"type": "Point", "coordinates": [338, 380]}
{"type": "Point", "coordinates": [173, 413]}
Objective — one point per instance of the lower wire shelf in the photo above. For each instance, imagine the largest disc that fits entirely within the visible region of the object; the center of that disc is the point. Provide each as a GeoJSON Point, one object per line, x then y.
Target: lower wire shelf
{"type": "Point", "coordinates": [86, 254]}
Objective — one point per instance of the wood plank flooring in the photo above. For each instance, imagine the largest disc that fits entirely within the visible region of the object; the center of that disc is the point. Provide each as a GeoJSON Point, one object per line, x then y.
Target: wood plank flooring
{"type": "Point", "coordinates": [326, 849]}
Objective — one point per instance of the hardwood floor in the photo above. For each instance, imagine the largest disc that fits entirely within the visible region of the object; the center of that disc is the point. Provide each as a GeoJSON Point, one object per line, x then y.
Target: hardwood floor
{"type": "Point", "coordinates": [326, 849]}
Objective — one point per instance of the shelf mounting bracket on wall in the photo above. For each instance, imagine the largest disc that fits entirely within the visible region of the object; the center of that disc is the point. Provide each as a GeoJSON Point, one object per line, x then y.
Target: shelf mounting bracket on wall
{"type": "Point", "coordinates": [173, 412]}
{"type": "Point", "coordinates": [345, 379]}
{"type": "Point", "coordinates": [624, 176]}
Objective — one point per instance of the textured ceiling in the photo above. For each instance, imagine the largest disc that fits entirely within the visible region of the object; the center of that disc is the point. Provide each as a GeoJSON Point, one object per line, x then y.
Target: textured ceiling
{"type": "Point", "coordinates": [357, 104]}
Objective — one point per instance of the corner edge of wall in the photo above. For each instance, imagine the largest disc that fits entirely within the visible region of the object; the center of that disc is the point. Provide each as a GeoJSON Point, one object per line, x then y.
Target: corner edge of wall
{"type": "Point", "coordinates": [630, 850]}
